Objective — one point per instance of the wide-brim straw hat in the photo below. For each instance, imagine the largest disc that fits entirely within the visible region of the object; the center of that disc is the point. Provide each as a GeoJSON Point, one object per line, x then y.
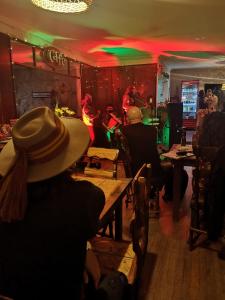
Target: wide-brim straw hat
{"type": "Point", "coordinates": [35, 129]}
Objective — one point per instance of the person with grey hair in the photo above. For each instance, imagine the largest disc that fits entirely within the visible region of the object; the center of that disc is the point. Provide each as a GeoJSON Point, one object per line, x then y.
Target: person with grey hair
{"type": "Point", "coordinates": [142, 142]}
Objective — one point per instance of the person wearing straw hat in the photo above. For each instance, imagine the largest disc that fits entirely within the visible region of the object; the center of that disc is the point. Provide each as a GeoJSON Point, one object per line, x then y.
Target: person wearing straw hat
{"type": "Point", "coordinates": [46, 217]}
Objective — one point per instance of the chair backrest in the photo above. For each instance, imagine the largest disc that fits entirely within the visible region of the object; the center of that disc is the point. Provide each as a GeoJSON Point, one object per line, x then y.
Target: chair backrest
{"type": "Point", "coordinates": [208, 153]}
{"type": "Point", "coordinates": [205, 157]}
{"type": "Point", "coordinates": [140, 222]}
{"type": "Point", "coordinates": [99, 157]}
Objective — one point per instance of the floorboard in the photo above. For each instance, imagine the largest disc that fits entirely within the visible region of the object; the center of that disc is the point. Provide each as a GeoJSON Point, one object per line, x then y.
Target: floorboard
{"type": "Point", "coordinates": [172, 271]}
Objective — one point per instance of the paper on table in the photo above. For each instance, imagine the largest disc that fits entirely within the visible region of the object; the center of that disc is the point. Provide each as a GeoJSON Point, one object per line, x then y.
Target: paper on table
{"type": "Point", "coordinates": [109, 186]}
{"type": "Point", "coordinates": [187, 148]}
{"type": "Point", "coordinates": [173, 155]}
{"type": "Point", "coordinates": [110, 154]}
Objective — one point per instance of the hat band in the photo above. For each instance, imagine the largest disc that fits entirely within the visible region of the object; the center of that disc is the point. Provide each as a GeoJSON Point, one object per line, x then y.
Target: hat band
{"type": "Point", "coordinates": [50, 147]}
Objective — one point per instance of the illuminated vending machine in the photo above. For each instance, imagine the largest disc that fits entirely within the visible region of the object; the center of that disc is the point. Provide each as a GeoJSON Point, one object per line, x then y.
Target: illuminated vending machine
{"type": "Point", "coordinates": [189, 97]}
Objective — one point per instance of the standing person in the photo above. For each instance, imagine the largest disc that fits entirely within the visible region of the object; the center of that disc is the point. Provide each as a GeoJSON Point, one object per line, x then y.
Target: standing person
{"type": "Point", "coordinates": [211, 101]}
{"type": "Point", "coordinates": [201, 100]}
{"type": "Point", "coordinates": [148, 111]}
{"type": "Point", "coordinates": [89, 113]}
{"type": "Point", "coordinates": [128, 100]}
{"type": "Point", "coordinates": [46, 218]}
{"type": "Point", "coordinates": [141, 140]}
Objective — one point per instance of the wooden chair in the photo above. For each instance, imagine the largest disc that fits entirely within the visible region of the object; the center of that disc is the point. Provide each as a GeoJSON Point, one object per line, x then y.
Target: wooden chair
{"type": "Point", "coordinates": [128, 256]}
{"type": "Point", "coordinates": [200, 186]}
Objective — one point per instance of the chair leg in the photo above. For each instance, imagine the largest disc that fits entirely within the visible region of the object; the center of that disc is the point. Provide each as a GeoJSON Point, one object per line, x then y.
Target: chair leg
{"type": "Point", "coordinates": [111, 235]}
{"type": "Point", "coordinates": [154, 205]}
{"type": "Point", "coordinates": [110, 226]}
{"type": "Point", "coordinates": [129, 195]}
{"type": "Point", "coordinates": [157, 201]}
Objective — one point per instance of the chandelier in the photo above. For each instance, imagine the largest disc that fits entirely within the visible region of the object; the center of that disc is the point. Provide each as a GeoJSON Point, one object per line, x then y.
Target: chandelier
{"type": "Point", "coordinates": [63, 6]}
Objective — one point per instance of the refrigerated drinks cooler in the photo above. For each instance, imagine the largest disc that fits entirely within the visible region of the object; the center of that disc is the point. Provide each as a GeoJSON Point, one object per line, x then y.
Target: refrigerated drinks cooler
{"type": "Point", "coordinates": [189, 96]}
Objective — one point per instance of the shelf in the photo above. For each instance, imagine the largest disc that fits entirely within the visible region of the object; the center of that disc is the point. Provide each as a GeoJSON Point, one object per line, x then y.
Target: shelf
{"type": "Point", "coordinates": [189, 104]}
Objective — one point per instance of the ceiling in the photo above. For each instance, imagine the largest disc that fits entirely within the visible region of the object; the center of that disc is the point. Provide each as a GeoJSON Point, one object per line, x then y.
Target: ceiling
{"type": "Point", "coordinates": [178, 33]}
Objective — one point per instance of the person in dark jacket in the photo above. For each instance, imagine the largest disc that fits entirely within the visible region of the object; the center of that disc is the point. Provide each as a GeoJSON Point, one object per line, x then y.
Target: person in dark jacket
{"type": "Point", "coordinates": [46, 217]}
{"type": "Point", "coordinates": [201, 102]}
{"type": "Point", "coordinates": [142, 144]}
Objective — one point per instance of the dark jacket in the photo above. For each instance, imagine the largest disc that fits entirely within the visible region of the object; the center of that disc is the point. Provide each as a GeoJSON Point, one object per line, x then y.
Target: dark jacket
{"type": "Point", "coordinates": [43, 256]}
{"type": "Point", "coordinates": [215, 204]}
{"type": "Point", "coordinates": [142, 145]}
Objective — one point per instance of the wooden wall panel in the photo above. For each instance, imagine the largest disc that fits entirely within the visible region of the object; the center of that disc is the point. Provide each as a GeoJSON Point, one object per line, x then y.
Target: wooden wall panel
{"type": "Point", "coordinates": [62, 89]}
{"type": "Point", "coordinates": [7, 100]}
{"type": "Point", "coordinates": [107, 85]}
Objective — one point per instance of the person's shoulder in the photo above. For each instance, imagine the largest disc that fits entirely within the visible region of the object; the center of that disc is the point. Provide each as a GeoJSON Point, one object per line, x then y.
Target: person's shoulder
{"type": "Point", "coordinates": [84, 191]}
{"type": "Point", "coordinates": [126, 128]}
{"type": "Point", "coordinates": [150, 130]}
{"type": "Point", "coordinates": [85, 186]}
{"type": "Point", "coordinates": [148, 127]}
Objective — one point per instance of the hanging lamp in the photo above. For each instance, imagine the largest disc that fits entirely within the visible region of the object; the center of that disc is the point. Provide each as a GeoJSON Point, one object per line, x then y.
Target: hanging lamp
{"type": "Point", "coordinates": [63, 6]}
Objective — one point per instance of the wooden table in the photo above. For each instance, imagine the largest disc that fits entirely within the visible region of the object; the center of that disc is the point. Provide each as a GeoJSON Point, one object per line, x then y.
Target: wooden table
{"type": "Point", "coordinates": [178, 162]}
{"type": "Point", "coordinates": [114, 190]}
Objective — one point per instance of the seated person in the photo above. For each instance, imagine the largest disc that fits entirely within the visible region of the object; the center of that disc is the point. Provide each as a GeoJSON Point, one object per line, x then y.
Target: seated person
{"type": "Point", "coordinates": [141, 140]}
{"type": "Point", "coordinates": [100, 138]}
{"type": "Point", "coordinates": [110, 122]}
{"type": "Point", "coordinates": [201, 98]}
{"type": "Point", "coordinates": [46, 217]}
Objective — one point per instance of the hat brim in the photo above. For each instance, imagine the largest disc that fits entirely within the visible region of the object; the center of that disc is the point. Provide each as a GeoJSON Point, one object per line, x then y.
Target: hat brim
{"type": "Point", "coordinates": [78, 143]}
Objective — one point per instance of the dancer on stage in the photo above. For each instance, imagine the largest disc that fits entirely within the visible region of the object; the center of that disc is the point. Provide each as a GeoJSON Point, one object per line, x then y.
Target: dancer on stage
{"type": "Point", "coordinates": [89, 114]}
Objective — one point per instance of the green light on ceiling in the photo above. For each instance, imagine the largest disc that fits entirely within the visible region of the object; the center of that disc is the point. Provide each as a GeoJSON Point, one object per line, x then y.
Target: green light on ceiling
{"type": "Point", "coordinates": [195, 54]}
{"type": "Point", "coordinates": [42, 39]}
{"type": "Point", "coordinates": [125, 53]}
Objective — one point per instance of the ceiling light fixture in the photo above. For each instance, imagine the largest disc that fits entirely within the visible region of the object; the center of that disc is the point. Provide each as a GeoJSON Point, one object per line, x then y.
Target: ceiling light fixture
{"type": "Point", "coordinates": [63, 6]}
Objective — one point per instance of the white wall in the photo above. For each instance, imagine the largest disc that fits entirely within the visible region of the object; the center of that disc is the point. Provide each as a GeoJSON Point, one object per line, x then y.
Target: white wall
{"type": "Point", "coordinates": [204, 75]}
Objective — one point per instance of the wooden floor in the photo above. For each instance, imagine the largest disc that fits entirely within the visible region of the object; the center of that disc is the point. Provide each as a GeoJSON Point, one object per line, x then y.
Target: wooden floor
{"type": "Point", "coordinates": [172, 271]}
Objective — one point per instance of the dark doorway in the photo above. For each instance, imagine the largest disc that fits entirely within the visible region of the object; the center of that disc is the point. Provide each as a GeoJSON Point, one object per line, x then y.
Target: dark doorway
{"type": "Point", "coordinates": [214, 87]}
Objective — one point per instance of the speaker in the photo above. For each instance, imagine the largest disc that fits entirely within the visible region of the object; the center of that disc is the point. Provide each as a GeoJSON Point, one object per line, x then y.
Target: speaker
{"type": "Point", "coordinates": [175, 122]}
